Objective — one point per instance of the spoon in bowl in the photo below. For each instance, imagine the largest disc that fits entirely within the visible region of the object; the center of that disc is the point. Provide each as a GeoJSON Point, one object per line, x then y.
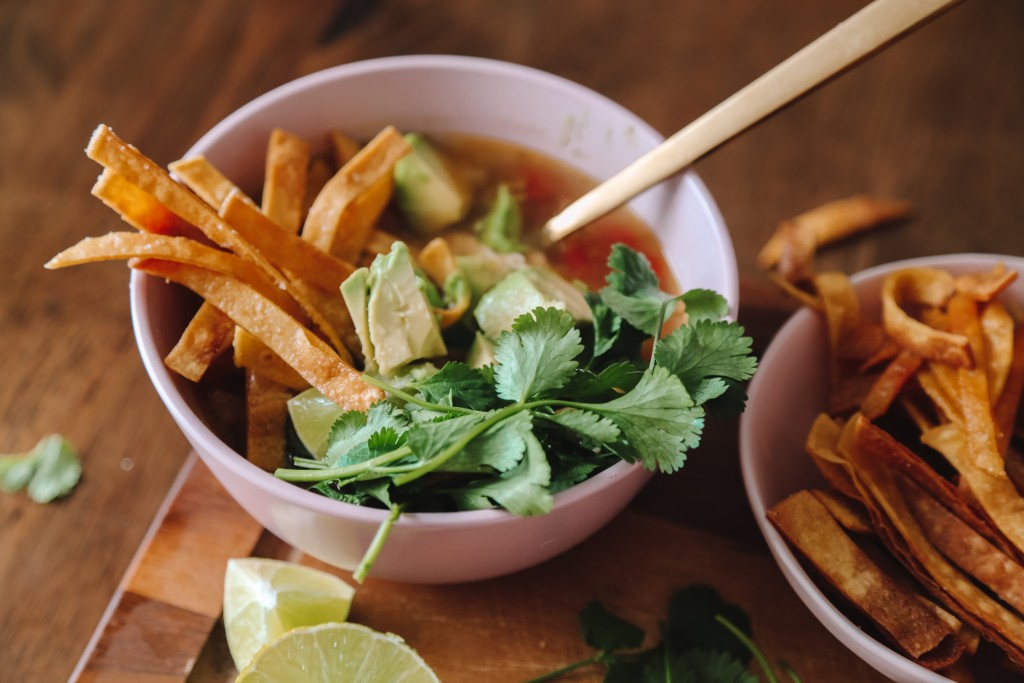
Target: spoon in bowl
{"type": "Point", "coordinates": [870, 29]}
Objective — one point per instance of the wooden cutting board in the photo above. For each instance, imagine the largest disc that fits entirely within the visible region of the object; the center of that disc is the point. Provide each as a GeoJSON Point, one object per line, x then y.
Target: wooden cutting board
{"type": "Point", "coordinates": [163, 625]}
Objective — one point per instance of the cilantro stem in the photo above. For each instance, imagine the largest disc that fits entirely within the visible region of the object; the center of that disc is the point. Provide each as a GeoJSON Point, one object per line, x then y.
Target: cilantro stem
{"type": "Point", "coordinates": [342, 472]}
{"type": "Point", "coordinates": [383, 531]}
{"type": "Point", "coordinates": [596, 659]}
{"type": "Point", "coordinates": [750, 645]}
{"type": "Point", "coordinates": [415, 400]}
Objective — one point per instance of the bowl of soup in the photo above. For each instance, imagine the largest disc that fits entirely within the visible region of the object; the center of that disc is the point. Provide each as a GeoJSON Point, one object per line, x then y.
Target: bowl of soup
{"type": "Point", "coordinates": [544, 136]}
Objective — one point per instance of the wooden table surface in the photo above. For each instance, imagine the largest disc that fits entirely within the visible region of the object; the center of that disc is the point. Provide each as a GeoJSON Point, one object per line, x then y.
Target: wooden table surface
{"type": "Point", "coordinates": [937, 119]}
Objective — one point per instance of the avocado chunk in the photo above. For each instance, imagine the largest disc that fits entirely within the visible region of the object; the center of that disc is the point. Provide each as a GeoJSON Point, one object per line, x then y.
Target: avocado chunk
{"type": "Point", "coordinates": [428, 193]}
{"type": "Point", "coordinates": [501, 227]}
{"type": "Point", "coordinates": [521, 292]}
{"type": "Point", "coordinates": [393, 319]}
{"type": "Point", "coordinates": [485, 268]}
{"type": "Point", "coordinates": [481, 351]}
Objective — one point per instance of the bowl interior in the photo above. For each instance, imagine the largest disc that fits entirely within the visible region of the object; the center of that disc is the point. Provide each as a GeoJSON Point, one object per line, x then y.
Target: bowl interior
{"type": "Point", "coordinates": [786, 395]}
{"type": "Point", "coordinates": [435, 94]}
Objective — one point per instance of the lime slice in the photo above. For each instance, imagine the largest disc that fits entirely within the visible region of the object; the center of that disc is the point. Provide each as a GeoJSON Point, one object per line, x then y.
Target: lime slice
{"type": "Point", "coordinates": [331, 653]}
{"type": "Point", "coordinates": [266, 598]}
{"type": "Point", "coordinates": [312, 415]}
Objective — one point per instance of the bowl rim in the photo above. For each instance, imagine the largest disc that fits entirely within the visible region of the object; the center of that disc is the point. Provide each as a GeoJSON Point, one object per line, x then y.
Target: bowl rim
{"type": "Point", "coordinates": [205, 441]}
{"type": "Point", "coordinates": [868, 648]}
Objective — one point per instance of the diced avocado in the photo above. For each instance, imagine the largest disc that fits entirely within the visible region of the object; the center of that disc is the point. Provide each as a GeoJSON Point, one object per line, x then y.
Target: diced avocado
{"type": "Point", "coordinates": [481, 352]}
{"type": "Point", "coordinates": [426, 191]}
{"type": "Point", "coordinates": [355, 290]}
{"type": "Point", "coordinates": [402, 326]}
{"type": "Point", "coordinates": [501, 227]}
{"type": "Point", "coordinates": [485, 268]}
{"type": "Point", "coordinates": [522, 291]}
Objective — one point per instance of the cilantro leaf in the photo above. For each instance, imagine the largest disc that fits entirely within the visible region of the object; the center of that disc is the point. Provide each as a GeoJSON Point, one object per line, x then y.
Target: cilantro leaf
{"type": "Point", "coordinates": [698, 666]}
{"type": "Point", "coordinates": [354, 428]}
{"type": "Point", "coordinates": [50, 470]}
{"type": "Point", "coordinates": [522, 491]}
{"type": "Point", "coordinates": [657, 419]}
{"type": "Point", "coordinates": [704, 304]}
{"type": "Point", "coordinates": [538, 355]}
{"type": "Point", "coordinates": [429, 439]}
{"type": "Point", "coordinates": [459, 384]}
{"type": "Point", "coordinates": [705, 349]}
{"type": "Point", "coordinates": [499, 448]}
{"type": "Point", "coordinates": [691, 623]}
{"type": "Point", "coordinates": [607, 632]}
{"type": "Point", "coordinates": [611, 381]}
{"type": "Point", "coordinates": [593, 426]}
{"type": "Point", "coordinates": [633, 291]}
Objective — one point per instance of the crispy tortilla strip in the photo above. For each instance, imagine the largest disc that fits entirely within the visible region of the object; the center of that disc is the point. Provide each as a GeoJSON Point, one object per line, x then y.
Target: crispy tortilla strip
{"type": "Point", "coordinates": [904, 536]}
{"type": "Point", "coordinates": [380, 242]}
{"type": "Point", "coordinates": [284, 249]}
{"type": "Point", "coordinates": [1005, 411]}
{"type": "Point", "coordinates": [942, 387]}
{"type": "Point", "coordinates": [997, 328]}
{"type": "Point", "coordinates": [889, 385]}
{"type": "Point", "coordinates": [928, 287]}
{"type": "Point", "coordinates": [320, 171]}
{"type": "Point", "coordinates": [128, 245]}
{"type": "Point", "coordinates": [438, 262]}
{"type": "Point", "coordinates": [908, 624]}
{"type": "Point", "coordinates": [1014, 461]}
{"type": "Point", "coordinates": [863, 343]}
{"type": "Point", "coordinates": [986, 287]}
{"type": "Point", "coordinates": [966, 548]}
{"type": "Point", "coordinates": [344, 212]}
{"type": "Point", "coordinates": [343, 147]}
{"type": "Point", "coordinates": [796, 262]}
{"type": "Point", "coordinates": [284, 181]}
{"type": "Point", "coordinates": [206, 337]}
{"type": "Point", "coordinates": [801, 295]}
{"type": "Point", "coordinates": [994, 492]}
{"type": "Point", "coordinates": [849, 513]}
{"type": "Point", "coordinates": [140, 209]}
{"type": "Point", "coordinates": [849, 392]}
{"type": "Point", "coordinates": [203, 178]}
{"type": "Point", "coordinates": [253, 355]}
{"type": "Point", "coordinates": [831, 222]}
{"type": "Point", "coordinates": [336, 314]}
{"type": "Point", "coordinates": [300, 348]}
{"type": "Point", "coordinates": [266, 413]}
{"type": "Point", "coordinates": [975, 405]}
{"type": "Point", "coordinates": [821, 446]}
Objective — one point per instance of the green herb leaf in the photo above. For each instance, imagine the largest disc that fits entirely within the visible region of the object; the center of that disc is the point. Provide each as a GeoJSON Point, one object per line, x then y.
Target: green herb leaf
{"type": "Point", "coordinates": [612, 381]}
{"type": "Point", "coordinates": [353, 429]}
{"type": "Point", "coordinates": [50, 470]}
{"type": "Point", "coordinates": [522, 490]}
{"type": "Point", "coordinates": [698, 666]}
{"type": "Point", "coordinates": [702, 350]}
{"type": "Point", "coordinates": [692, 624]}
{"type": "Point", "coordinates": [605, 631]}
{"type": "Point", "coordinates": [595, 427]}
{"type": "Point", "coordinates": [537, 356]}
{"type": "Point", "coordinates": [458, 384]}
{"type": "Point", "coordinates": [704, 304]}
{"type": "Point", "coordinates": [429, 439]}
{"type": "Point", "coordinates": [499, 448]}
{"type": "Point", "coordinates": [633, 291]}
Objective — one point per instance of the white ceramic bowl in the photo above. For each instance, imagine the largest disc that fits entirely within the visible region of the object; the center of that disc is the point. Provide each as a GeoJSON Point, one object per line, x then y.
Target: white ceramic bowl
{"type": "Point", "coordinates": [434, 94]}
{"type": "Point", "coordinates": [785, 396]}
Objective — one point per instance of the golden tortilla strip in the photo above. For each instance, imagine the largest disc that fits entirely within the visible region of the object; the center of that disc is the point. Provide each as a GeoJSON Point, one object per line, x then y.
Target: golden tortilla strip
{"type": "Point", "coordinates": [381, 241]}
{"type": "Point", "coordinates": [438, 262]}
{"type": "Point", "coordinates": [344, 212]}
{"type": "Point", "coordinates": [941, 385]}
{"type": "Point", "coordinates": [266, 413]}
{"type": "Point", "coordinates": [796, 262]}
{"type": "Point", "coordinates": [966, 548]}
{"type": "Point", "coordinates": [284, 249]}
{"type": "Point", "coordinates": [928, 287]}
{"type": "Point", "coordinates": [985, 287]}
{"type": "Point", "coordinates": [319, 172]}
{"type": "Point", "coordinates": [830, 222]}
{"type": "Point", "coordinates": [904, 536]}
{"type": "Point", "coordinates": [1007, 406]}
{"type": "Point", "coordinates": [792, 289]}
{"type": "Point", "coordinates": [284, 180]}
{"type": "Point", "coordinates": [335, 312]}
{"type": "Point", "coordinates": [850, 514]}
{"type": "Point", "coordinates": [889, 385]}
{"type": "Point", "coordinates": [994, 492]}
{"type": "Point", "coordinates": [304, 351]}
{"type": "Point", "coordinates": [864, 342]}
{"type": "Point", "coordinates": [252, 354]}
{"type": "Point", "coordinates": [206, 337]}
{"type": "Point", "coordinates": [343, 147]}
{"type": "Point", "coordinates": [203, 178]}
{"type": "Point", "coordinates": [140, 209]}
{"type": "Point", "coordinates": [820, 445]}
{"type": "Point", "coordinates": [908, 624]}
{"type": "Point", "coordinates": [997, 328]}
{"type": "Point", "coordinates": [849, 392]}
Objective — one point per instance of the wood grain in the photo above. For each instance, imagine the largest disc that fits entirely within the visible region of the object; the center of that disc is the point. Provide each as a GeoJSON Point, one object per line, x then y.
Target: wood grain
{"type": "Point", "coordinates": [937, 119]}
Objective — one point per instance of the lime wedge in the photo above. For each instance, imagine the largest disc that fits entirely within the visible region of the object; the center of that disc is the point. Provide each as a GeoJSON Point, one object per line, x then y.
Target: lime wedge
{"type": "Point", "coordinates": [331, 653]}
{"type": "Point", "coordinates": [265, 598]}
{"type": "Point", "coordinates": [312, 415]}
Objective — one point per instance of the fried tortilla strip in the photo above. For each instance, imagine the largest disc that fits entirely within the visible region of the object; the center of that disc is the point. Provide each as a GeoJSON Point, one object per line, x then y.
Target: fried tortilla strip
{"type": "Point", "coordinates": [849, 392]}
{"type": "Point", "coordinates": [128, 245]}
{"type": "Point", "coordinates": [897, 612]}
{"type": "Point", "coordinates": [206, 337]}
{"type": "Point", "coordinates": [850, 514]}
{"type": "Point", "coordinates": [889, 385]}
{"type": "Point", "coordinates": [284, 180]}
{"type": "Point", "coordinates": [336, 314]}
{"type": "Point", "coordinates": [831, 222]}
{"type": "Point", "coordinates": [985, 287]}
{"type": "Point", "coordinates": [994, 492]}
{"type": "Point", "coordinates": [997, 328]}
{"type": "Point", "coordinates": [927, 287]}
{"type": "Point", "coordinates": [1005, 411]}
{"type": "Point", "coordinates": [319, 173]}
{"type": "Point", "coordinates": [801, 295]}
{"type": "Point", "coordinates": [1014, 461]}
{"type": "Point", "coordinates": [343, 148]}
{"type": "Point", "coordinates": [285, 250]}
{"type": "Point", "coordinates": [300, 348]}
{"type": "Point", "coordinates": [252, 354]}
{"type": "Point", "coordinates": [966, 548]}
{"type": "Point", "coordinates": [904, 536]}
{"type": "Point", "coordinates": [266, 412]}
{"type": "Point", "coordinates": [940, 384]}
{"type": "Point", "coordinates": [203, 178]}
{"type": "Point", "coordinates": [438, 262]}
{"type": "Point", "coordinates": [796, 262]}
{"type": "Point", "coordinates": [820, 445]}
{"type": "Point", "coordinates": [864, 343]}
{"type": "Point", "coordinates": [140, 209]}
{"type": "Point", "coordinates": [380, 242]}
{"type": "Point", "coordinates": [344, 212]}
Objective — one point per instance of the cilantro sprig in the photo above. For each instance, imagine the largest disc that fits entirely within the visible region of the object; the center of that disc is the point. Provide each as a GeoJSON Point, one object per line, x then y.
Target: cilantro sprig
{"type": "Point", "coordinates": [560, 402]}
{"type": "Point", "coordinates": [704, 639]}
{"type": "Point", "coordinates": [48, 471]}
